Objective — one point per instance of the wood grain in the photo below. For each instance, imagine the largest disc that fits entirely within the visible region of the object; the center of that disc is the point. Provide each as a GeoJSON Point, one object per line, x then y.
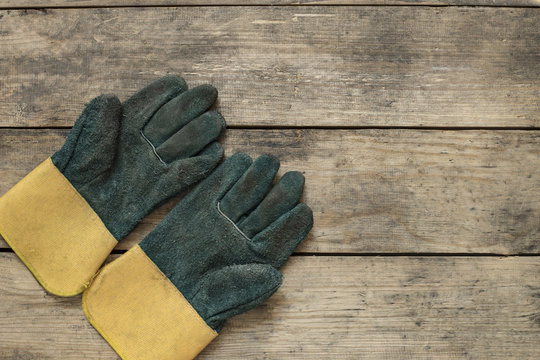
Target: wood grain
{"type": "Point", "coordinates": [428, 66]}
{"type": "Point", "coordinates": [105, 3]}
{"type": "Point", "coordinates": [377, 190]}
{"type": "Point", "coordinates": [327, 308]}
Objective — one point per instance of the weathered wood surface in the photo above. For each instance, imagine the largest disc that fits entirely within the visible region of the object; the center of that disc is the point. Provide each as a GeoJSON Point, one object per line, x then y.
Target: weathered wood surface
{"type": "Point", "coordinates": [377, 190]}
{"type": "Point", "coordinates": [287, 66]}
{"type": "Point", "coordinates": [328, 308]}
{"type": "Point", "coordinates": [105, 3]}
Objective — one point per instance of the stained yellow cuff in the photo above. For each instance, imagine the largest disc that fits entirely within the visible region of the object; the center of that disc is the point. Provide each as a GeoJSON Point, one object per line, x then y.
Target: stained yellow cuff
{"type": "Point", "coordinates": [142, 315]}
{"type": "Point", "coordinates": [54, 231]}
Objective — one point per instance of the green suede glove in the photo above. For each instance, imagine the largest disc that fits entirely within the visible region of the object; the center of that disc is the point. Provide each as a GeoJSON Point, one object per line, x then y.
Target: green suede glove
{"type": "Point", "coordinates": [125, 166]}
{"type": "Point", "coordinates": [119, 162]}
{"type": "Point", "coordinates": [217, 254]}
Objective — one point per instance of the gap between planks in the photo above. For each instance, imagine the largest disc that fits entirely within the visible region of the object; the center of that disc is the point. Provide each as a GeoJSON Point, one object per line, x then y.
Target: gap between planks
{"type": "Point", "coordinates": [327, 254]}
{"type": "Point", "coordinates": [322, 127]}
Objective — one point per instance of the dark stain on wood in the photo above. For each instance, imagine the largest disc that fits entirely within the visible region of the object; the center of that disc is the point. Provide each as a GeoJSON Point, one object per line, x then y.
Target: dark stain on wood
{"type": "Point", "coordinates": [429, 66]}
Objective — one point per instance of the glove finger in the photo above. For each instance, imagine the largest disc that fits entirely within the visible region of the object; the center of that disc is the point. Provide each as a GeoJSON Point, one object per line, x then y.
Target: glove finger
{"type": "Point", "coordinates": [277, 242]}
{"type": "Point", "coordinates": [221, 180]}
{"type": "Point", "coordinates": [172, 116]}
{"type": "Point", "coordinates": [233, 290]}
{"type": "Point", "coordinates": [193, 137]}
{"type": "Point", "coordinates": [251, 188]}
{"type": "Point", "coordinates": [140, 107]}
{"type": "Point", "coordinates": [91, 145]}
{"type": "Point", "coordinates": [282, 198]}
{"type": "Point", "coordinates": [186, 172]}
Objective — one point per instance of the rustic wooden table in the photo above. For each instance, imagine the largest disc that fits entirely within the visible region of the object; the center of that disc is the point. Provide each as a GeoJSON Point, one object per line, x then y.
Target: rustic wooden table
{"type": "Point", "coordinates": [417, 128]}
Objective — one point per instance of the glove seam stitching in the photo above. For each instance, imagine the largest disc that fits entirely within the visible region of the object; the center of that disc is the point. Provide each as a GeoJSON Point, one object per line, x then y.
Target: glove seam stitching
{"type": "Point", "coordinates": [232, 222]}
{"type": "Point", "coordinates": [153, 148]}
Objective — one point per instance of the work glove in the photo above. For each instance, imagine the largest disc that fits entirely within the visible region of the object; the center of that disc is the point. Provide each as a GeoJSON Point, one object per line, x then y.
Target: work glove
{"type": "Point", "coordinates": [119, 162]}
{"type": "Point", "coordinates": [215, 255]}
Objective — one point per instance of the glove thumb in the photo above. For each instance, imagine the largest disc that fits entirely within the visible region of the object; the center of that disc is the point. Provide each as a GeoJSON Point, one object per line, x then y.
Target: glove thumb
{"type": "Point", "coordinates": [233, 290]}
{"type": "Point", "coordinates": [90, 147]}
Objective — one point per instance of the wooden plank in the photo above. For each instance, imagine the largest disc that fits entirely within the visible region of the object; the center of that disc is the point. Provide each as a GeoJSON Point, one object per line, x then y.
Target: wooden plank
{"type": "Point", "coordinates": [288, 66]}
{"type": "Point", "coordinates": [327, 308]}
{"type": "Point", "coordinates": [96, 3]}
{"type": "Point", "coordinates": [377, 190]}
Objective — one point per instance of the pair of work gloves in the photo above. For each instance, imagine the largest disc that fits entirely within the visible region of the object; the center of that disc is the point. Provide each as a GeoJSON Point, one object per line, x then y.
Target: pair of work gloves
{"type": "Point", "coordinates": [215, 255]}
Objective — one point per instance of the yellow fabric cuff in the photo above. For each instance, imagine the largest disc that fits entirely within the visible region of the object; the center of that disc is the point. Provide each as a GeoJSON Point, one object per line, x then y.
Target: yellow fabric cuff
{"type": "Point", "coordinates": [54, 231]}
{"type": "Point", "coordinates": [140, 312]}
